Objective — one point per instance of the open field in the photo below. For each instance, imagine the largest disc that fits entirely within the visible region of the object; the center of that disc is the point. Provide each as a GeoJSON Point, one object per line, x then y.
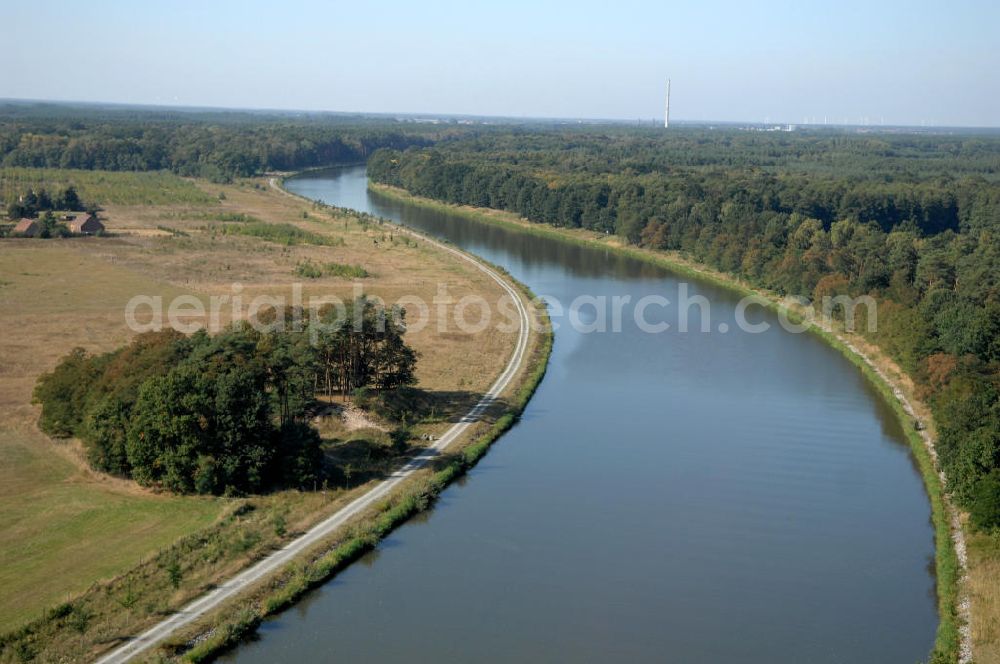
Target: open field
{"type": "Point", "coordinates": [984, 592]}
{"type": "Point", "coordinates": [106, 187]}
{"type": "Point", "coordinates": [61, 526]}
{"type": "Point", "coordinates": [65, 527]}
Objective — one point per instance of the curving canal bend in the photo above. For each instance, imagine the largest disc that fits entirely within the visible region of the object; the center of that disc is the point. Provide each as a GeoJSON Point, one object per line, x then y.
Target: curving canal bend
{"type": "Point", "coordinates": [695, 497]}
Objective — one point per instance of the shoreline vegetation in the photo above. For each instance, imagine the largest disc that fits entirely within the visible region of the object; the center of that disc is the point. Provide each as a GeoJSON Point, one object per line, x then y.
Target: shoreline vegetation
{"type": "Point", "coordinates": [953, 636]}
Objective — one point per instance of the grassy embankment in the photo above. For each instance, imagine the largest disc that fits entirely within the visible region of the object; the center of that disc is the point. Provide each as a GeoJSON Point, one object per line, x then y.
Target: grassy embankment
{"type": "Point", "coordinates": [884, 374]}
{"type": "Point", "coordinates": [89, 559]}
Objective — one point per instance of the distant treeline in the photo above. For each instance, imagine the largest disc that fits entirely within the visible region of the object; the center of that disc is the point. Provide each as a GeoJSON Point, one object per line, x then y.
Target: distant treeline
{"type": "Point", "coordinates": [215, 146]}
{"type": "Point", "coordinates": [913, 220]}
{"type": "Point", "coordinates": [224, 413]}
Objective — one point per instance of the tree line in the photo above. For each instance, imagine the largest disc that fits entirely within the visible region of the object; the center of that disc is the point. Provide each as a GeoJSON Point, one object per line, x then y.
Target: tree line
{"type": "Point", "coordinates": [911, 220]}
{"type": "Point", "coordinates": [31, 202]}
{"type": "Point", "coordinates": [218, 146]}
{"type": "Point", "coordinates": [227, 413]}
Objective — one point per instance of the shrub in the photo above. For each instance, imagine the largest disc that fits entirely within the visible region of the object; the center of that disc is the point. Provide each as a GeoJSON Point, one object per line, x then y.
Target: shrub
{"type": "Point", "coordinates": [346, 271]}
{"type": "Point", "coordinates": [308, 270]}
{"type": "Point", "coordinates": [286, 234]}
{"type": "Point", "coordinates": [984, 511]}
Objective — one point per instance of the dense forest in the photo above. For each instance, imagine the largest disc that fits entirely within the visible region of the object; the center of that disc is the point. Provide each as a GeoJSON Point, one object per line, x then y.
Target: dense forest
{"type": "Point", "coordinates": [913, 220]}
{"type": "Point", "coordinates": [218, 146]}
{"type": "Point", "coordinates": [227, 413]}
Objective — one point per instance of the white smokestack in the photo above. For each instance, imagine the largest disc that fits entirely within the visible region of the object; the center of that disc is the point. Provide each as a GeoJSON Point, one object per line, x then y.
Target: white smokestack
{"type": "Point", "coordinates": [666, 115]}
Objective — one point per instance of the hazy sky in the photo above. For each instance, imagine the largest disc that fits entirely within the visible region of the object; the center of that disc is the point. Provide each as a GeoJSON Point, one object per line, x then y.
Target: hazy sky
{"type": "Point", "coordinates": [907, 61]}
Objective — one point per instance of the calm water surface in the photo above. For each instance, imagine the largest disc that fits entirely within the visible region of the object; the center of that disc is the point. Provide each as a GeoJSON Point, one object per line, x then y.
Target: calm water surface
{"type": "Point", "coordinates": [699, 497]}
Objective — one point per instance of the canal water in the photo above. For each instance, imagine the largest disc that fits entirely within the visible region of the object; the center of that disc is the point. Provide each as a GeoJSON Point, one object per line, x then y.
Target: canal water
{"type": "Point", "coordinates": [709, 496]}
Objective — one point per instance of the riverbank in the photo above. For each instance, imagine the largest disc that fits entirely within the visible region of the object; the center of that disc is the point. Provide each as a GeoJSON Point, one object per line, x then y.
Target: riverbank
{"type": "Point", "coordinates": [953, 635]}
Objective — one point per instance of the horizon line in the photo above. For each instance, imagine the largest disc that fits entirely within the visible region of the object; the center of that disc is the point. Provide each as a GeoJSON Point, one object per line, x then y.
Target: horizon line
{"type": "Point", "coordinates": [767, 122]}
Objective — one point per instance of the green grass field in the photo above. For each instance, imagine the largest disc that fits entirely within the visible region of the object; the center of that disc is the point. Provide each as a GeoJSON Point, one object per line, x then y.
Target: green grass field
{"type": "Point", "coordinates": [62, 527]}
{"type": "Point", "coordinates": [105, 187]}
{"type": "Point", "coordinates": [60, 533]}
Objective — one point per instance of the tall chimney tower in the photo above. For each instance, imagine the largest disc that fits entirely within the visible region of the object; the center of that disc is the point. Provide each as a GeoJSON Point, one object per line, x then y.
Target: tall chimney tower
{"type": "Point", "coordinates": [666, 115]}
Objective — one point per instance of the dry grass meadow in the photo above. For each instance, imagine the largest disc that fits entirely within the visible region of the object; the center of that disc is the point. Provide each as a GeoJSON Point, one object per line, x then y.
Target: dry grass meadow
{"type": "Point", "coordinates": [63, 527]}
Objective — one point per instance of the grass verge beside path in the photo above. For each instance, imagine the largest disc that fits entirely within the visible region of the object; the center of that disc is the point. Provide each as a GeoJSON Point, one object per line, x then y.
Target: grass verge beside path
{"type": "Point", "coordinates": [952, 641]}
